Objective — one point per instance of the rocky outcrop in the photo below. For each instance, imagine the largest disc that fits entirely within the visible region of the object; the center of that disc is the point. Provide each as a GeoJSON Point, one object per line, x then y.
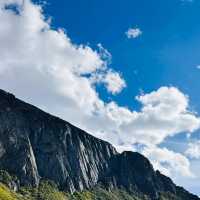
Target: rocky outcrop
{"type": "Point", "coordinates": [11, 182]}
{"type": "Point", "coordinates": [35, 145]}
{"type": "Point", "coordinates": [133, 172]}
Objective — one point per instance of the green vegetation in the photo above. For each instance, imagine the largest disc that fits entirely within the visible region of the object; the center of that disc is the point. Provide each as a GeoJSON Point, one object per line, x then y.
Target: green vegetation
{"type": "Point", "coordinates": [101, 194]}
{"type": "Point", "coordinates": [6, 178]}
{"type": "Point", "coordinates": [48, 190]}
{"type": "Point", "coordinates": [6, 194]}
{"type": "Point", "coordinates": [167, 196]}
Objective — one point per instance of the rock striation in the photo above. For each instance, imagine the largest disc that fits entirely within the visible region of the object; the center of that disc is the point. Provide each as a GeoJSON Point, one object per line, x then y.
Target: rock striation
{"type": "Point", "coordinates": [35, 145]}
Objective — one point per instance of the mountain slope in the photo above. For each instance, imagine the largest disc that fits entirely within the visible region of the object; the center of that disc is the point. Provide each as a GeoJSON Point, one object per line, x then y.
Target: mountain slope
{"type": "Point", "coordinates": [35, 145]}
{"type": "Point", "coordinates": [46, 146]}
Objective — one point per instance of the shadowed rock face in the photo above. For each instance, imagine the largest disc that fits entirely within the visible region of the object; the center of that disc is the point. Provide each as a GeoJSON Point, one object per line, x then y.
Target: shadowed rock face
{"type": "Point", "coordinates": [35, 145]}
{"type": "Point", "coordinates": [132, 171]}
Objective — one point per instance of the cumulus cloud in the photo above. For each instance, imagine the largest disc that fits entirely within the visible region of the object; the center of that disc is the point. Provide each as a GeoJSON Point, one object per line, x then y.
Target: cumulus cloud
{"type": "Point", "coordinates": [193, 150]}
{"type": "Point", "coordinates": [114, 82]}
{"type": "Point", "coordinates": [164, 113]}
{"type": "Point", "coordinates": [168, 162]}
{"type": "Point", "coordinates": [133, 33]}
{"type": "Point", "coordinates": [46, 60]}
{"type": "Point", "coordinates": [43, 66]}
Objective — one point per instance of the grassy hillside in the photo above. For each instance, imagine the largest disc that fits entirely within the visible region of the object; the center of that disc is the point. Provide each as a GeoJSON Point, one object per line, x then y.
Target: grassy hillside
{"type": "Point", "coordinates": [48, 191]}
{"type": "Point", "coordinates": [6, 194]}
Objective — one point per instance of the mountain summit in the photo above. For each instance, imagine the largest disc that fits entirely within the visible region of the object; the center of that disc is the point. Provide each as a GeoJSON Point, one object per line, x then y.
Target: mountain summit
{"type": "Point", "coordinates": [35, 145]}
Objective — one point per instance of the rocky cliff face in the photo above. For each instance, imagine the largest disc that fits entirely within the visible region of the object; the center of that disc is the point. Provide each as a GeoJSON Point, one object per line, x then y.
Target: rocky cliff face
{"type": "Point", "coordinates": [134, 173]}
{"type": "Point", "coordinates": [35, 145]}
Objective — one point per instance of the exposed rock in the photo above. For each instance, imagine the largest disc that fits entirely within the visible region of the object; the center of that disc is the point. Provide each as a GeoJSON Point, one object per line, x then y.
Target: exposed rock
{"type": "Point", "coordinates": [133, 172]}
{"type": "Point", "coordinates": [35, 145]}
{"type": "Point", "coordinates": [10, 181]}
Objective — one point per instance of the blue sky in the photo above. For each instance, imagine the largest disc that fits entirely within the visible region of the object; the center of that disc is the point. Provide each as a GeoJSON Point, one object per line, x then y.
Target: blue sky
{"type": "Point", "coordinates": [139, 93]}
{"type": "Point", "coordinates": [167, 53]}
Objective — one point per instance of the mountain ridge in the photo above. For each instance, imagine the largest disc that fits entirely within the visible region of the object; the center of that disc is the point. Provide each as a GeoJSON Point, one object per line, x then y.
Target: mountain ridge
{"type": "Point", "coordinates": [35, 145]}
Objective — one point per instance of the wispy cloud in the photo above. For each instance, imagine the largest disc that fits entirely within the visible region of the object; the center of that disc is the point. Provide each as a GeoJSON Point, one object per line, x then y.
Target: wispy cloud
{"type": "Point", "coordinates": [133, 33]}
{"type": "Point", "coordinates": [187, 1]}
{"type": "Point", "coordinates": [193, 150]}
{"type": "Point", "coordinates": [198, 66]}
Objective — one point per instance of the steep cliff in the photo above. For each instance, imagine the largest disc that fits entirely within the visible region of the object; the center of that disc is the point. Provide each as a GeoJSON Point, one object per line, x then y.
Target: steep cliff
{"type": "Point", "coordinates": [133, 172]}
{"type": "Point", "coordinates": [35, 145]}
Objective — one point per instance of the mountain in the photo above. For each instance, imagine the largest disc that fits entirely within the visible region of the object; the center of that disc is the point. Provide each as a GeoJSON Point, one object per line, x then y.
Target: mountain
{"type": "Point", "coordinates": [36, 146]}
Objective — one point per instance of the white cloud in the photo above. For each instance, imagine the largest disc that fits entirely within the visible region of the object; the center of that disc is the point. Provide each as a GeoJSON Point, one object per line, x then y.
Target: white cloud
{"type": "Point", "coordinates": [44, 67]}
{"type": "Point", "coordinates": [32, 50]}
{"type": "Point", "coordinates": [133, 33]}
{"type": "Point", "coordinates": [164, 113]}
{"type": "Point", "coordinates": [198, 66]}
{"type": "Point", "coordinates": [169, 162]}
{"type": "Point", "coordinates": [114, 82]}
{"type": "Point", "coordinates": [193, 150]}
